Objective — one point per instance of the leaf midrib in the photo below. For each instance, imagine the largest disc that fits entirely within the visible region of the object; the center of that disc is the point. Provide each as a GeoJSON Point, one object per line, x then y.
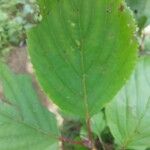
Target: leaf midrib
{"type": "Point", "coordinates": [84, 85]}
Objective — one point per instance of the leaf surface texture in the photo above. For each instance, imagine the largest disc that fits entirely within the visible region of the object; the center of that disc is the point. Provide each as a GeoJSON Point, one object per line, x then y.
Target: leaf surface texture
{"type": "Point", "coordinates": [83, 52]}
{"type": "Point", "coordinates": [128, 115]}
{"type": "Point", "coordinates": [25, 123]}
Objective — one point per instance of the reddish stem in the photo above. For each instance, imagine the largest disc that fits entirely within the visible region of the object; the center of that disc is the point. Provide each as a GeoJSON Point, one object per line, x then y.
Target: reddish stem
{"type": "Point", "coordinates": [63, 139]}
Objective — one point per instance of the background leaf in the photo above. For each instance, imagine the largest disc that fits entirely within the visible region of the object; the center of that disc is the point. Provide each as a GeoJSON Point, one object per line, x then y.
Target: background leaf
{"type": "Point", "coordinates": [141, 11]}
{"type": "Point", "coordinates": [128, 115]}
{"type": "Point", "coordinates": [98, 123]}
{"type": "Point", "coordinates": [83, 52]}
{"type": "Point", "coordinates": [25, 123]}
{"type": "Point", "coordinates": [146, 43]}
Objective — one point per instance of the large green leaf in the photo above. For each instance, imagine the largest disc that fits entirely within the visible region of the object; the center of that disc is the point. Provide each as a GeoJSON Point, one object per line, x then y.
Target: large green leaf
{"type": "Point", "coordinates": [45, 6]}
{"type": "Point", "coordinates": [25, 124]}
{"type": "Point", "coordinates": [141, 11]}
{"type": "Point", "coordinates": [83, 52]}
{"type": "Point", "coordinates": [128, 115]}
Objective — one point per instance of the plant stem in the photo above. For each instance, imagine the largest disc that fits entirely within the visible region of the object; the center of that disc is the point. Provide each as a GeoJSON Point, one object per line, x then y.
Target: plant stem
{"type": "Point", "coordinates": [89, 129]}
{"type": "Point", "coordinates": [101, 141]}
{"type": "Point", "coordinates": [90, 136]}
{"type": "Point", "coordinates": [63, 139]}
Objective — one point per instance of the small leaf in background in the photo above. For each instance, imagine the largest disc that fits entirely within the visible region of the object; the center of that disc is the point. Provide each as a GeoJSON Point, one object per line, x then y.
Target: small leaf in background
{"type": "Point", "coordinates": [98, 123]}
{"type": "Point", "coordinates": [128, 115]}
{"type": "Point", "coordinates": [25, 123]}
{"type": "Point", "coordinates": [78, 147]}
{"type": "Point", "coordinates": [141, 11]}
{"type": "Point", "coordinates": [97, 126]}
{"type": "Point", "coordinates": [83, 52]}
{"type": "Point", "coordinates": [146, 39]}
{"type": "Point", "coordinates": [147, 43]}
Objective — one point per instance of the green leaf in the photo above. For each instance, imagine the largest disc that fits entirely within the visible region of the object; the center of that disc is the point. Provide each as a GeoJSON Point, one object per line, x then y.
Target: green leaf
{"type": "Point", "coordinates": [147, 43]}
{"type": "Point", "coordinates": [98, 123]}
{"type": "Point", "coordinates": [83, 52]}
{"type": "Point", "coordinates": [77, 147]}
{"type": "Point", "coordinates": [128, 115]}
{"type": "Point", "coordinates": [25, 123]}
{"type": "Point", "coordinates": [46, 6]}
{"type": "Point", "coordinates": [141, 11]}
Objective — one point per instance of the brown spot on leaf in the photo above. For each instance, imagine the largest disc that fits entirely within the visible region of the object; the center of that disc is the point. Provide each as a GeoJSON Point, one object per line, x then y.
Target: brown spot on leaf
{"type": "Point", "coordinates": [121, 7]}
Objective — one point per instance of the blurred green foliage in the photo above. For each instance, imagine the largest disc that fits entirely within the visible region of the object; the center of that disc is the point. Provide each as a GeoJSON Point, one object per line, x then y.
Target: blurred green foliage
{"type": "Point", "coordinates": [141, 11]}
{"type": "Point", "coordinates": [15, 17]}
